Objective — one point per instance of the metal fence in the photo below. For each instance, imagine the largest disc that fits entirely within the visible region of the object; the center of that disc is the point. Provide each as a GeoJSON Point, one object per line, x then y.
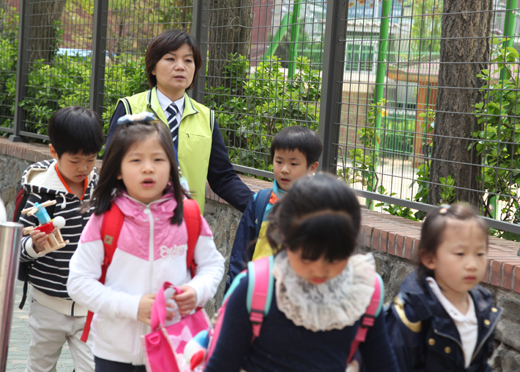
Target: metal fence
{"type": "Point", "coordinates": [412, 98]}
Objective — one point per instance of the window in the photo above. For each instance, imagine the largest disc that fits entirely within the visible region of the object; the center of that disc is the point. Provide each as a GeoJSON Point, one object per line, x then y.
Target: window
{"type": "Point", "coordinates": [359, 57]}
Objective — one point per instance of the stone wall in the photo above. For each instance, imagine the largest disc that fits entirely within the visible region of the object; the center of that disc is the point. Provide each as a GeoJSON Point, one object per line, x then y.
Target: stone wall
{"type": "Point", "coordinates": [223, 220]}
{"type": "Point", "coordinates": [11, 170]}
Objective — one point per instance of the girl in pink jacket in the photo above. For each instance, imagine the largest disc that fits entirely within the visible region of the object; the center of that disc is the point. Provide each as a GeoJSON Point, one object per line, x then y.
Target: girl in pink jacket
{"type": "Point", "coordinates": [140, 176]}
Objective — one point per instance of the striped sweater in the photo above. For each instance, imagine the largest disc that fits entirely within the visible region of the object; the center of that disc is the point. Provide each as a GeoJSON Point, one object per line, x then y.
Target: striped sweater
{"type": "Point", "coordinates": [49, 273]}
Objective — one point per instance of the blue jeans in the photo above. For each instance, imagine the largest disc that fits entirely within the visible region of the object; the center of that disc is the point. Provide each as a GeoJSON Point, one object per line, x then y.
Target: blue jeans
{"type": "Point", "coordinates": [103, 365]}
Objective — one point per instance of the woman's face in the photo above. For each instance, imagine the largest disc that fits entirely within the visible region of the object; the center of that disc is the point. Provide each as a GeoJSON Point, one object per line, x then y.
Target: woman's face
{"type": "Point", "coordinates": [175, 71]}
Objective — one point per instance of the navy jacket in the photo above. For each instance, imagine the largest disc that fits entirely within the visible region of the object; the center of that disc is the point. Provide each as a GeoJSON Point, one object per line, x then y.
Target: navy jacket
{"type": "Point", "coordinates": [221, 174]}
{"type": "Point", "coordinates": [425, 338]}
{"type": "Point", "coordinates": [285, 347]}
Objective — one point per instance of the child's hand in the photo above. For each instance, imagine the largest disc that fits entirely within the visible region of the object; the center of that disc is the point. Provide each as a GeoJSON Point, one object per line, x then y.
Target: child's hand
{"type": "Point", "coordinates": [187, 300]}
{"type": "Point", "coordinates": [144, 314]}
{"type": "Point", "coordinates": [38, 239]}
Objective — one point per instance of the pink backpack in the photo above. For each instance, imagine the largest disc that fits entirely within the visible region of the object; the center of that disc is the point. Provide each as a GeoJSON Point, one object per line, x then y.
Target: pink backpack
{"type": "Point", "coordinates": [259, 296]}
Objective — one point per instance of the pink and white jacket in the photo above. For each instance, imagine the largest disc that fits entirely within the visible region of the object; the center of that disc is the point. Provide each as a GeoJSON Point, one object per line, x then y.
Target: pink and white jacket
{"type": "Point", "coordinates": [150, 251]}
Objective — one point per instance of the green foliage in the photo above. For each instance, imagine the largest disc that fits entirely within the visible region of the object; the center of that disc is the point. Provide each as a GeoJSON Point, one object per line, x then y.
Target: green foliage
{"type": "Point", "coordinates": [499, 134]}
{"type": "Point", "coordinates": [364, 160]}
{"type": "Point", "coordinates": [8, 58]}
{"type": "Point", "coordinates": [394, 209]}
{"type": "Point", "coordinates": [448, 193]}
{"type": "Point", "coordinates": [63, 82]}
{"type": "Point", "coordinates": [252, 108]}
{"type": "Point", "coordinates": [426, 27]}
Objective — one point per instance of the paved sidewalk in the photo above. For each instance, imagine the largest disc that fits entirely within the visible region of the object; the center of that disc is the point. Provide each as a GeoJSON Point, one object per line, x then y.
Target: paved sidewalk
{"type": "Point", "coordinates": [20, 337]}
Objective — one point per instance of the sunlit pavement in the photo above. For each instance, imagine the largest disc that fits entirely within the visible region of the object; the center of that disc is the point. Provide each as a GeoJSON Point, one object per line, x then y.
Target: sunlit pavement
{"type": "Point", "coordinates": [20, 337]}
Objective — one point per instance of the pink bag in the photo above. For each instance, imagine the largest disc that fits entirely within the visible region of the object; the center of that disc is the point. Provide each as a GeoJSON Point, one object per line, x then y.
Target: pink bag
{"type": "Point", "coordinates": [164, 346]}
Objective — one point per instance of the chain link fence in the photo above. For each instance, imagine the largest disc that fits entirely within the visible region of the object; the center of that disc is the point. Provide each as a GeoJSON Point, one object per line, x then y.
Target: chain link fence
{"type": "Point", "coordinates": [415, 100]}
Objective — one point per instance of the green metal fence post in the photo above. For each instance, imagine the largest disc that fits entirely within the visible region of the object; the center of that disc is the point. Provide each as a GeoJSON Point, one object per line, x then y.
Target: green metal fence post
{"type": "Point", "coordinates": [295, 35]}
{"type": "Point", "coordinates": [380, 81]}
{"type": "Point", "coordinates": [509, 33]}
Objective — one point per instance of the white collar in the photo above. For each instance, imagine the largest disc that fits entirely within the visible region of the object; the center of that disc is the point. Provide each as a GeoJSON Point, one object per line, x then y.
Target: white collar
{"type": "Point", "coordinates": [452, 311]}
{"type": "Point", "coordinates": [335, 304]}
{"type": "Point", "coordinates": [165, 102]}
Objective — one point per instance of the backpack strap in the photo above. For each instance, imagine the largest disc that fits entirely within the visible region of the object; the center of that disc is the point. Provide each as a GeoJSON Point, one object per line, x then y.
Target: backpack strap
{"type": "Point", "coordinates": [367, 321]}
{"type": "Point", "coordinates": [193, 225]}
{"type": "Point", "coordinates": [259, 291]}
{"type": "Point", "coordinates": [110, 230]}
{"type": "Point", "coordinates": [261, 200]}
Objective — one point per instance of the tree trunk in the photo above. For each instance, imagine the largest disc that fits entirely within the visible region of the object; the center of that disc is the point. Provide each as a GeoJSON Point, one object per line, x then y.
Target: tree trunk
{"type": "Point", "coordinates": [230, 23]}
{"type": "Point", "coordinates": [43, 41]}
{"type": "Point", "coordinates": [464, 53]}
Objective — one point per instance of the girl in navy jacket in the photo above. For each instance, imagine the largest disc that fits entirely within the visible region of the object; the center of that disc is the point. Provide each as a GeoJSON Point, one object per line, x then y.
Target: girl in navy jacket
{"type": "Point", "coordinates": [442, 320]}
{"type": "Point", "coordinates": [322, 291]}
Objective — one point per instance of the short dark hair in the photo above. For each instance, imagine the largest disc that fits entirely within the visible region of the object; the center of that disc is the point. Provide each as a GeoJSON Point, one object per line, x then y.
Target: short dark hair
{"type": "Point", "coordinates": [319, 217]}
{"type": "Point", "coordinates": [76, 130]}
{"type": "Point", "coordinates": [170, 41]}
{"type": "Point", "coordinates": [298, 138]}
{"type": "Point", "coordinates": [432, 231]}
{"type": "Point", "coordinates": [124, 138]}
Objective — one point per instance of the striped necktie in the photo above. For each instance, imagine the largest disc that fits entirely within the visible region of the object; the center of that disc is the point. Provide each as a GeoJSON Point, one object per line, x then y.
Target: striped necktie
{"type": "Point", "coordinates": [173, 123]}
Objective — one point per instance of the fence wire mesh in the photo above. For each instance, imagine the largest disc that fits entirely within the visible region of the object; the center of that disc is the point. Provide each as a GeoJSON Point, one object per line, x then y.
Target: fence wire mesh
{"type": "Point", "coordinates": [8, 52]}
{"type": "Point", "coordinates": [425, 91]}
{"type": "Point", "coordinates": [429, 109]}
{"type": "Point", "coordinates": [259, 87]}
{"type": "Point", "coordinates": [130, 27]}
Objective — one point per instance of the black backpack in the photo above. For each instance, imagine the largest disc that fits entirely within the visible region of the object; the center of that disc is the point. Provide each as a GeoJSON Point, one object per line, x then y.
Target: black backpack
{"type": "Point", "coordinates": [24, 267]}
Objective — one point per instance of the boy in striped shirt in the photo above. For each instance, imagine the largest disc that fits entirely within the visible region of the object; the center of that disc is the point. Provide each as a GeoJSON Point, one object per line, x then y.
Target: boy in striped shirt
{"type": "Point", "coordinates": [76, 137]}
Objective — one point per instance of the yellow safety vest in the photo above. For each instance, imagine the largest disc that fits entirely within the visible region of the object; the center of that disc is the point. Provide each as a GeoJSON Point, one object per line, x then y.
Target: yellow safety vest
{"type": "Point", "coordinates": [195, 137]}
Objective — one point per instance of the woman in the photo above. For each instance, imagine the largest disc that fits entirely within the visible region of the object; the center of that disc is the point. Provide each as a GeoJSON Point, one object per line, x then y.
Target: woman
{"type": "Point", "coordinates": [172, 62]}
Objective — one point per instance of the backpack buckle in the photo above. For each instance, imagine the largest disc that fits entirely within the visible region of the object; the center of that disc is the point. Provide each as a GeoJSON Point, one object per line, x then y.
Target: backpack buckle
{"type": "Point", "coordinates": [368, 321]}
{"type": "Point", "coordinates": [256, 316]}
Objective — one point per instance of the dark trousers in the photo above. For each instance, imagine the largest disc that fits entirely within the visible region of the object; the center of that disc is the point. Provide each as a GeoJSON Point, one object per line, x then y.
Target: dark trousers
{"type": "Point", "coordinates": [103, 365]}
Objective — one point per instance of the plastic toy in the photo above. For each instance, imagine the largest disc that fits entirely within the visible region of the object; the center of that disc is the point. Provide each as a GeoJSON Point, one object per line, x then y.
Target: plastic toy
{"type": "Point", "coordinates": [51, 227]}
{"type": "Point", "coordinates": [195, 349]}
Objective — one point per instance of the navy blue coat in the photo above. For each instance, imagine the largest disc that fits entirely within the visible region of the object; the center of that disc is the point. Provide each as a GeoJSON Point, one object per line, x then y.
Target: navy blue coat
{"type": "Point", "coordinates": [425, 338]}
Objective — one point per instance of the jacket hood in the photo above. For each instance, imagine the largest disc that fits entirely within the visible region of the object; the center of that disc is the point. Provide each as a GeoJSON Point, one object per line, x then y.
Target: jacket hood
{"type": "Point", "coordinates": [41, 177]}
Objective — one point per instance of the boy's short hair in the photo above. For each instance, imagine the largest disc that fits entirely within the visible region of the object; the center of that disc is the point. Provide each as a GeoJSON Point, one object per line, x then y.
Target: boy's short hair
{"type": "Point", "coordinates": [298, 138]}
{"type": "Point", "coordinates": [76, 129]}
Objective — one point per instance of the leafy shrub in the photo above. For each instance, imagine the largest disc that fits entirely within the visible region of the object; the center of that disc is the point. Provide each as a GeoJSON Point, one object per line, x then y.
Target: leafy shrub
{"type": "Point", "coordinates": [499, 114]}
{"type": "Point", "coordinates": [257, 105]}
{"type": "Point", "coordinates": [8, 58]}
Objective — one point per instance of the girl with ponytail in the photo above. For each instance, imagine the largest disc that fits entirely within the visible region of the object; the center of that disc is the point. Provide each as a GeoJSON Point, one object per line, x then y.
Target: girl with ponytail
{"type": "Point", "coordinates": [322, 290]}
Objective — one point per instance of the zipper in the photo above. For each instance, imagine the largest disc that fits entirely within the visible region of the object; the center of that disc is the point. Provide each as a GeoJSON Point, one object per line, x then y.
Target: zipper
{"type": "Point", "coordinates": [490, 331]}
{"type": "Point", "coordinates": [148, 212]}
{"type": "Point", "coordinates": [449, 337]}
